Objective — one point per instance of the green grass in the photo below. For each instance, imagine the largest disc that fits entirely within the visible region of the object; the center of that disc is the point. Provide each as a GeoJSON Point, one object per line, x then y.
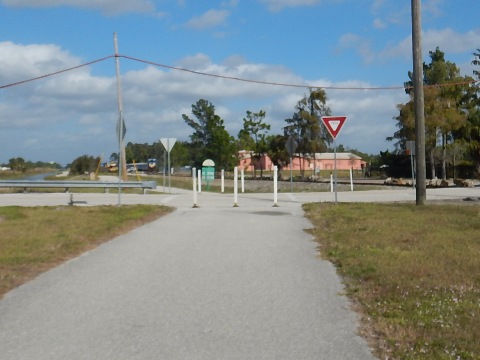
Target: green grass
{"type": "Point", "coordinates": [413, 272]}
{"type": "Point", "coordinates": [33, 239]}
{"type": "Point", "coordinates": [15, 175]}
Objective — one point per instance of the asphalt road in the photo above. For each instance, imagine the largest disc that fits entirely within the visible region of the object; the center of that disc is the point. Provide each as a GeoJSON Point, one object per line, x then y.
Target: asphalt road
{"type": "Point", "coordinates": [213, 282]}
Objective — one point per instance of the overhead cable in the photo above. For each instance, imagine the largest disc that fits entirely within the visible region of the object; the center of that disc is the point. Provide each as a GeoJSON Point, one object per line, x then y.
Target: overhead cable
{"type": "Point", "coordinates": [233, 78]}
{"type": "Point", "coordinates": [55, 73]}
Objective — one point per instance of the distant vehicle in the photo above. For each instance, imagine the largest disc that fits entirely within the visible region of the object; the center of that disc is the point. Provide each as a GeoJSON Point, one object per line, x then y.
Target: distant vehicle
{"type": "Point", "coordinates": [112, 166]}
{"type": "Point", "coordinates": [137, 167]}
{"type": "Point", "coordinates": [132, 168]}
{"type": "Point", "coordinates": [152, 165]}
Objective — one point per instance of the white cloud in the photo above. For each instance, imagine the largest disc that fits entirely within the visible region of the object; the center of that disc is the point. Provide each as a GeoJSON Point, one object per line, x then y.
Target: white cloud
{"type": "Point", "coordinates": [233, 98]}
{"type": "Point", "coordinates": [369, 112]}
{"type": "Point", "coordinates": [49, 100]}
{"type": "Point", "coordinates": [387, 12]}
{"type": "Point", "coordinates": [451, 41]}
{"type": "Point", "coordinates": [377, 5]}
{"type": "Point", "coordinates": [39, 113]}
{"type": "Point", "coordinates": [209, 19]}
{"type": "Point", "coordinates": [154, 99]}
{"type": "Point", "coordinates": [360, 44]}
{"type": "Point", "coordinates": [432, 7]}
{"type": "Point", "coordinates": [400, 50]}
{"type": "Point", "coordinates": [111, 7]}
{"type": "Point", "coordinates": [21, 62]}
{"type": "Point", "coordinates": [379, 24]}
{"type": "Point", "coordinates": [369, 116]}
{"type": "Point", "coordinates": [448, 40]}
{"type": "Point", "coordinates": [75, 113]}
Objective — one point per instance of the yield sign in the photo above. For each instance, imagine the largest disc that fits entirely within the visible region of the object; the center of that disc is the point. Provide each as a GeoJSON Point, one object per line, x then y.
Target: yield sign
{"type": "Point", "coordinates": [334, 124]}
{"type": "Point", "coordinates": [168, 143]}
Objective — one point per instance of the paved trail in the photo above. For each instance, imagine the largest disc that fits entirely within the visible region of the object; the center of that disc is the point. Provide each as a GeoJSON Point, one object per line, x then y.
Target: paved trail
{"type": "Point", "coordinates": [215, 282]}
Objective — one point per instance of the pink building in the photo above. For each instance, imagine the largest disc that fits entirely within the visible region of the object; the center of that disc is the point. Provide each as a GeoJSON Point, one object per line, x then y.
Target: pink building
{"type": "Point", "coordinates": [247, 161]}
{"type": "Point", "coordinates": [321, 161]}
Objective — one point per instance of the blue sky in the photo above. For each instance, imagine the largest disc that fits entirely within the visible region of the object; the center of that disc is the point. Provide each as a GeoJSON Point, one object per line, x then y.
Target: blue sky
{"type": "Point", "coordinates": [330, 43]}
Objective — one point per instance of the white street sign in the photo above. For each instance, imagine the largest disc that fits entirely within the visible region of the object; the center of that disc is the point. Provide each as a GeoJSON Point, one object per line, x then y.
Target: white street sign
{"type": "Point", "coordinates": [168, 143]}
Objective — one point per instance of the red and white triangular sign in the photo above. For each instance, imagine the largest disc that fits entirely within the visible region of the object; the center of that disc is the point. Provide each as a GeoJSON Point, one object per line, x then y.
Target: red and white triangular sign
{"type": "Point", "coordinates": [334, 124]}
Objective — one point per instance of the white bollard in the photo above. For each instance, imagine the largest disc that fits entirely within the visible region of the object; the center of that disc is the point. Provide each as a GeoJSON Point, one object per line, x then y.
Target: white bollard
{"type": "Point", "coordinates": [275, 186]}
{"type": "Point", "coordinates": [235, 187]}
{"type": "Point", "coordinates": [331, 182]}
{"type": "Point", "coordinates": [351, 179]}
{"type": "Point", "coordinates": [194, 179]}
{"type": "Point", "coordinates": [199, 181]}
{"type": "Point", "coordinates": [242, 176]}
{"type": "Point", "coordinates": [223, 181]}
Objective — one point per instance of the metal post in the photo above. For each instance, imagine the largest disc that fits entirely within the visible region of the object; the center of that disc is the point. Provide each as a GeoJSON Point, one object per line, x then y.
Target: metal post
{"type": "Point", "coordinates": [194, 181]}
{"type": "Point", "coordinates": [223, 181]}
{"type": "Point", "coordinates": [421, 186]}
{"type": "Point", "coordinates": [335, 169]}
{"type": "Point", "coordinates": [351, 179]}
{"type": "Point", "coordinates": [120, 119]}
{"type": "Point", "coordinates": [242, 180]}
{"type": "Point", "coordinates": [291, 175]}
{"type": "Point", "coordinates": [412, 161]}
{"type": "Point", "coordinates": [199, 181]}
{"type": "Point", "coordinates": [275, 186]}
{"type": "Point", "coordinates": [164, 169]}
{"type": "Point", "coordinates": [235, 187]}
{"type": "Point", "coordinates": [169, 171]}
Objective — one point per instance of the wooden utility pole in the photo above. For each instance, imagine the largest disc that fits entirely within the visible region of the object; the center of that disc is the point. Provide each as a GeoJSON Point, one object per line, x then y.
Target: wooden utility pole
{"type": "Point", "coordinates": [421, 184]}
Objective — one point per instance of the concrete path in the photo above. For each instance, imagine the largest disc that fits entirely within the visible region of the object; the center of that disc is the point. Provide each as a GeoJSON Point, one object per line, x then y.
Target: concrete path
{"type": "Point", "coordinates": [214, 282]}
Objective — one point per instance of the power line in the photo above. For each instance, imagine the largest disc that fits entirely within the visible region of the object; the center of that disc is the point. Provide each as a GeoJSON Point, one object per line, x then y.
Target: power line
{"type": "Point", "coordinates": [232, 77]}
{"type": "Point", "coordinates": [259, 81]}
{"type": "Point", "coordinates": [55, 73]}
{"type": "Point", "coordinates": [293, 85]}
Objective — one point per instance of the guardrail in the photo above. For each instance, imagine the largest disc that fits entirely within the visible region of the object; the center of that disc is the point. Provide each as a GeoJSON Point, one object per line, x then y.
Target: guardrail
{"type": "Point", "coordinates": [67, 185]}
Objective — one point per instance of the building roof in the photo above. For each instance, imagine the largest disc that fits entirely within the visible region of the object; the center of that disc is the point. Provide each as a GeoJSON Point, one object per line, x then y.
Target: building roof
{"type": "Point", "coordinates": [340, 156]}
{"type": "Point", "coordinates": [245, 154]}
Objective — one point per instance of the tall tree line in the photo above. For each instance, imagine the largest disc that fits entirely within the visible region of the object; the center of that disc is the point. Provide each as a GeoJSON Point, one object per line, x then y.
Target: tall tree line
{"type": "Point", "coordinates": [452, 119]}
{"type": "Point", "coordinates": [451, 116]}
{"type": "Point", "coordinates": [211, 140]}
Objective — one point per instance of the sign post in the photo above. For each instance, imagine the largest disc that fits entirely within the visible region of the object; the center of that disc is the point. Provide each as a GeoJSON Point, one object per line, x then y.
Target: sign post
{"type": "Point", "coordinates": [334, 125]}
{"type": "Point", "coordinates": [291, 146]}
{"type": "Point", "coordinates": [122, 166]}
{"type": "Point", "coordinates": [168, 144]}
{"type": "Point", "coordinates": [208, 172]}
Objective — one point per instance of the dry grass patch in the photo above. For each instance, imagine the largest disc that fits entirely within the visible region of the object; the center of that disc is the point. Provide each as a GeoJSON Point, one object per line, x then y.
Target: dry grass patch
{"type": "Point", "coordinates": [413, 272]}
{"type": "Point", "coordinates": [34, 239]}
